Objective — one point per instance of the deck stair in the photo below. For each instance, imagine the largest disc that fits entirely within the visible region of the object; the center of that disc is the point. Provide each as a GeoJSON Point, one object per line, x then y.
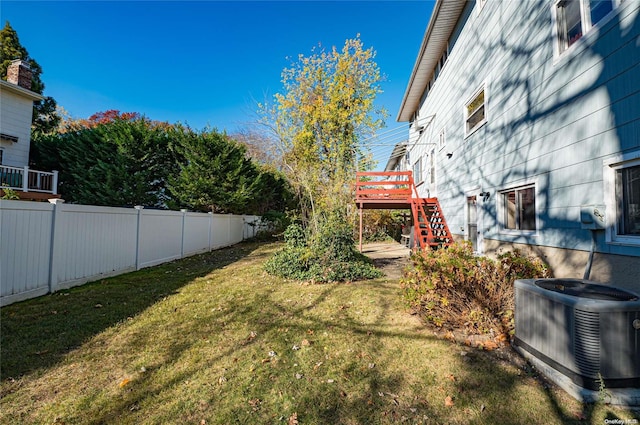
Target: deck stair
{"type": "Point", "coordinates": [396, 190]}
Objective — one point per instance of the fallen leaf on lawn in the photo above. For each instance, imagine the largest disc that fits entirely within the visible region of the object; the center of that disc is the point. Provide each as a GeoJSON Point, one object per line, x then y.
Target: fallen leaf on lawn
{"type": "Point", "coordinates": [372, 365]}
{"type": "Point", "coordinates": [266, 360]}
{"type": "Point", "coordinates": [448, 401]}
{"type": "Point", "coordinates": [299, 376]}
{"type": "Point", "coordinates": [255, 403]}
{"type": "Point", "coordinates": [490, 345]}
{"type": "Point", "coordinates": [293, 419]}
{"type": "Point", "coordinates": [222, 380]}
{"type": "Point", "coordinates": [203, 422]}
{"type": "Point", "coordinates": [317, 366]}
{"type": "Point", "coordinates": [295, 347]}
{"type": "Point", "coordinates": [452, 378]}
{"type": "Point", "coordinates": [272, 354]}
{"type": "Point", "coordinates": [330, 381]}
{"type": "Point", "coordinates": [310, 332]}
{"type": "Point", "coordinates": [305, 343]}
{"type": "Point", "coordinates": [98, 306]}
{"type": "Point", "coordinates": [124, 382]}
{"type": "Point", "coordinates": [252, 335]}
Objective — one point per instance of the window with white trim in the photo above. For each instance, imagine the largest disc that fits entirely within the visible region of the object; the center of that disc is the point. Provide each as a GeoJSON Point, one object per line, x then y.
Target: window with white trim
{"type": "Point", "coordinates": [519, 209]}
{"type": "Point", "coordinates": [627, 188]}
{"type": "Point", "coordinates": [441, 140]}
{"type": "Point", "coordinates": [574, 18]}
{"type": "Point", "coordinates": [475, 112]}
{"type": "Point", "coordinates": [417, 171]}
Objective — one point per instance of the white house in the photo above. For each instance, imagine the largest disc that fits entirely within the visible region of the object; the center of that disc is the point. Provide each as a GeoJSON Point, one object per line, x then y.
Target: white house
{"type": "Point", "coordinates": [525, 124]}
{"type": "Point", "coordinates": [16, 110]}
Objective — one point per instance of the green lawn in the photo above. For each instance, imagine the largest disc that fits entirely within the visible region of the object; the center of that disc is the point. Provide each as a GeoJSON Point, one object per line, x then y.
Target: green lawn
{"type": "Point", "coordinates": [213, 339]}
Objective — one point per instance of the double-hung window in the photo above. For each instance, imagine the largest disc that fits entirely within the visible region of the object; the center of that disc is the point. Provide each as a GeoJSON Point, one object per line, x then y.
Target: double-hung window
{"type": "Point", "coordinates": [519, 209]}
{"type": "Point", "coordinates": [575, 17]}
{"type": "Point", "coordinates": [475, 112]}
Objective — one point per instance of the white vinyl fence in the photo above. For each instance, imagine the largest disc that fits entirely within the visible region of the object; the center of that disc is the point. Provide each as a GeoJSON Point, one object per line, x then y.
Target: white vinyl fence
{"type": "Point", "coordinates": [48, 247]}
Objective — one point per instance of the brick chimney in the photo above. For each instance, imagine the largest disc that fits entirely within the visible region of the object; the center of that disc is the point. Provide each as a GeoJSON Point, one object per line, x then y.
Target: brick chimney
{"type": "Point", "coordinates": [19, 73]}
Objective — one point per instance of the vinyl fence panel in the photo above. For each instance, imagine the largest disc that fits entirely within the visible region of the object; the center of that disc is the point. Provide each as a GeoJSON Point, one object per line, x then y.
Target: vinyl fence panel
{"type": "Point", "coordinates": [25, 247]}
{"type": "Point", "coordinates": [92, 242]}
{"type": "Point", "coordinates": [160, 238]}
{"type": "Point", "coordinates": [220, 231]}
{"type": "Point", "coordinates": [196, 236]}
{"type": "Point", "coordinates": [46, 247]}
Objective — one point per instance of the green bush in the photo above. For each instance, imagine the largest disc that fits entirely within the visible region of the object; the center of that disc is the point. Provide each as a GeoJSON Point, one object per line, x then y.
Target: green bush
{"type": "Point", "coordinates": [455, 289]}
{"type": "Point", "coordinates": [329, 255]}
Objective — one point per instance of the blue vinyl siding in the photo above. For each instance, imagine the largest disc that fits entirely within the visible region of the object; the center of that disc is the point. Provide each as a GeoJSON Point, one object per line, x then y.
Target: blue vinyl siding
{"type": "Point", "coordinates": [552, 120]}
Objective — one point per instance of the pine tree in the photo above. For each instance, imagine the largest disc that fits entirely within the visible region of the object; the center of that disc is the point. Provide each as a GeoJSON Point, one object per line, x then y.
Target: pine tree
{"type": "Point", "coordinates": [45, 120]}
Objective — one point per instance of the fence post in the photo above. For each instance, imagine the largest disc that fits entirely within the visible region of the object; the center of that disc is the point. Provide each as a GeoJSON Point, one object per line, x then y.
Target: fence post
{"type": "Point", "coordinates": [210, 228]}
{"type": "Point", "coordinates": [139, 209]}
{"type": "Point", "coordinates": [57, 204]}
{"type": "Point", "coordinates": [184, 218]}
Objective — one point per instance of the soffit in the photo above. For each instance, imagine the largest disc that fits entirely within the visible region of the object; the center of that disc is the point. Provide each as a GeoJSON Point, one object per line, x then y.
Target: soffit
{"type": "Point", "coordinates": [444, 17]}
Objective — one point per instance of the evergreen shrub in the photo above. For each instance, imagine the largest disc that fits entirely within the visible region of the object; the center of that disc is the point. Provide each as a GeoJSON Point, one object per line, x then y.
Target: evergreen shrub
{"type": "Point", "coordinates": [328, 255]}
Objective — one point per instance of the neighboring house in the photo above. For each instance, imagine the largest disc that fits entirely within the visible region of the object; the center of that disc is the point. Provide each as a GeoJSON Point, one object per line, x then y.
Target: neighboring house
{"type": "Point", "coordinates": [398, 158]}
{"type": "Point", "coordinates": [16, 110]}
{"type": "Point", "coordinates": [525, 124]}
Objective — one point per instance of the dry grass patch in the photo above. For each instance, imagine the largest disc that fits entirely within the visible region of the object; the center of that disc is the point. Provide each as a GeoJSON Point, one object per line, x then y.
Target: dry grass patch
{"type": "Point", "coordinates": [214, 339]}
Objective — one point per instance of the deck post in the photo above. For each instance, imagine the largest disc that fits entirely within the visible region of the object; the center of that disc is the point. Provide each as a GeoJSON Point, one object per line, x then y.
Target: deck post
{"type": "Point", "coordinates": [360, 211]}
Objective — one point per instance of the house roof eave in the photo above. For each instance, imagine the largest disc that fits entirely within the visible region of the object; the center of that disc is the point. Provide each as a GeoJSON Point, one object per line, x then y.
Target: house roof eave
{"type": "Point", "coordinates": [13, 88]}
{"type": "Point", "coordinates": [444, 17]}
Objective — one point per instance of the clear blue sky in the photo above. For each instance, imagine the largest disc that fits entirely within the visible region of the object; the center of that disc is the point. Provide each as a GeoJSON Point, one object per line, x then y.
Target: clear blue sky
{"type": "Point", "coordinates": [203, 62]}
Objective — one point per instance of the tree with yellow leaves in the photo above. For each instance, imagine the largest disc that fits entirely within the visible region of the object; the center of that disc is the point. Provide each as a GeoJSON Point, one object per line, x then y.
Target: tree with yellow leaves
{"type": "Point", "coordinates": [321, 120]}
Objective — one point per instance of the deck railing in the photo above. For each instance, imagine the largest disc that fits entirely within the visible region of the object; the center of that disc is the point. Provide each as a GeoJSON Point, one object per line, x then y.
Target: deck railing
{"type": "Point", "coordinates": [35, 181]}
{"type": "Point", "coordinates": [384, 185]}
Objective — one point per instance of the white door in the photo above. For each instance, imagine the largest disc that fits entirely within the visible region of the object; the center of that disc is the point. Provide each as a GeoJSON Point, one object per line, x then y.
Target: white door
{"type": "Point", "coordinates": [474, 228]}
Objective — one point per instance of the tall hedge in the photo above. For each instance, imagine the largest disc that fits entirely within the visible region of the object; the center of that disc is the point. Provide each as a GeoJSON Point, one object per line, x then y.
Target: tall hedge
{"type": "Point", "coordinates": [130, 160]}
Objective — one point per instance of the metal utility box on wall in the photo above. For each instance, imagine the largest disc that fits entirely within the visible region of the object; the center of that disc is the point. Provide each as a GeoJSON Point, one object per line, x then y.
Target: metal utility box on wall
{"type": "Point", "coordinates": [592, 217]}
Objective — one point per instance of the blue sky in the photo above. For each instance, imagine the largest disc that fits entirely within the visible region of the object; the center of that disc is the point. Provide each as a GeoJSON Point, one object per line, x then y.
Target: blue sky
{"type": "Point", "coordinates": [203, 62]}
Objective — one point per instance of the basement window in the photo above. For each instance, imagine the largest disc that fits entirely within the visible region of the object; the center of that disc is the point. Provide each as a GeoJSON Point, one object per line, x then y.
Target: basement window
{"type": "Point", "coordinates": [628, 201]}
{"type": "Point", "coordinates": [519, 209]}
